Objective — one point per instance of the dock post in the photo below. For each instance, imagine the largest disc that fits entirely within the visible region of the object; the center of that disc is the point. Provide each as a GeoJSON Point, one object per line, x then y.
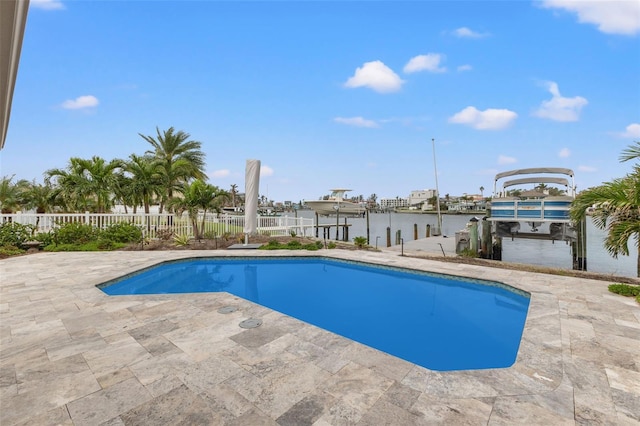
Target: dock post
{"type": "Point", "coordinates": [345, 231]}
{"type": "Point", "coordinates": [473, 236]}
{"type": "Point", "coordinates": [415, 231]}
{"type": "Point", "coordinates": [579, 247]}
{"type": "Point", "coordinates": [316, 224]}
{"type": "Point", "coordinates": [486, 239]}
{"type": "Point", "coordinates": [398, 235]}
{"type": "Point", "coordinates": [428, 232]}
{"type": "Point", "coordinates": [368, 233]}
{"type": "Point", "coordinates": [388, 236]}
{"type": "Point", "coordinates": [497, 249]}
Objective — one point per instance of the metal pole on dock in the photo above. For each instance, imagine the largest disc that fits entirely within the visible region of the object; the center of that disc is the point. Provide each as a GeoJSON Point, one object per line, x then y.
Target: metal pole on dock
{"type": "Point", "coordinates": [367, 213]}
{"type": "Point", "coordinates": [579, 247]}
{"type": "Point", "coordinates": [337, 207]}
{"type": "Point", "coordinates": [316, 224]}
{"type": "Point", "coordinates": [345, 231]}
{"type": "Point", "coordinates": [435, 171]}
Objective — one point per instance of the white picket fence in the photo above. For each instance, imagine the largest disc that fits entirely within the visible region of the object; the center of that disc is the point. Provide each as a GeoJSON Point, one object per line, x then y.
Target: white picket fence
{"type": "Point", "coordinates": [154, 223]}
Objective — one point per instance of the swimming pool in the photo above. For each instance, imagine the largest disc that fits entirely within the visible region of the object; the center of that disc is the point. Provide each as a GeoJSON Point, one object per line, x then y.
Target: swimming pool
{"type": "Point", "coordinates": [439, 322]}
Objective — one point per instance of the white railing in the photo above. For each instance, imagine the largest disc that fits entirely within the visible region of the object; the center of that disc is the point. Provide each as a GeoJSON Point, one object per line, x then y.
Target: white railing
{"type": "Point", "coordinates": [154, 223]}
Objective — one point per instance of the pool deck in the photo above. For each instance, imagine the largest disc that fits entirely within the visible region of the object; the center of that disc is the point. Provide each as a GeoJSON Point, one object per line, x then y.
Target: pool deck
{"type": "Point", "coordinates": [69, 354]}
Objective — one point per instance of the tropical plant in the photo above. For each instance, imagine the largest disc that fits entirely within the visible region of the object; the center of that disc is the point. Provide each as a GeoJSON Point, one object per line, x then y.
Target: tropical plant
{"type": "Point", "coordinates": [179, 158]}
{"type": "Point", "coordinates": [234, 193]}
{"type": "Point", "coordinates": [86, 184]}
{"type": "Point", "coordinates": [198, 197]}
{"type": "Point", "coordinates": [360, 242]}
{"type": "Point", "coordinates": [181, 240]}
{"type": "Point", "coordinates": [145, 179]}
{"type": "Point", "coordinates": [615, 207]}
{"type": "Point", "coordinates": [39, 197]}
{"type": "Point", "coordinates": [12, 194]}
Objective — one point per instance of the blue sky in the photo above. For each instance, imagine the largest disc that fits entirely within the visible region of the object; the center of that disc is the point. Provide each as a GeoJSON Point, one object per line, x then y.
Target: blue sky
{"type": "Point", "coordinates": [333, 94]}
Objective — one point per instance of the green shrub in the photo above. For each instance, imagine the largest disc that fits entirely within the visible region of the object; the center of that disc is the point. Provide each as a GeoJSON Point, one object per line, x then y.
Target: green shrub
{"type": "Point", "coordinates": [468, 253]}
{"type": "Point", "coordinates": [291, 245]}
{"type": "Point", "coordinates": [122, 232]}
{"type": "Point", "coordinates": [45, 238]}
{"type": "Point", "coordinates": [10, 250]}
{"type": "Point", "coordinates": [98, 245]}
{"type": "Point", "coordinates": [74, 233]}
{"type": "Point", "coordinates": [625, 290]}
{"type": "Point", "coordinates": [181, 240]}
{"type": "Point", "coordinates": [360, 242]}
{"type": "Point", "coordinates": [294, 245]}
{"type": "Point", "coordinates": [331, 245]}
{"type": "Point", "coordinates": [210, 235]}
{"type": "Point", "coordinates": [14, 234]}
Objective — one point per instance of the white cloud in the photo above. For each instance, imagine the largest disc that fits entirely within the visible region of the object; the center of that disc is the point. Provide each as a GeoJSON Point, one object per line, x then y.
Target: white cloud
{"type": "Point", "coordinates": [465, 67]}
{"type": "Point", "coordinates": [80, 102]}
{"type": "Point", "coordinates": [429, 62]}
{"type": "Point", "coordinates": [47, 4]}
{"type": "Point", "coordinates": [587, 169]}
{"type": "Point", "coordinates": [611, 17]}
{"type": "Point", "coordinates": [503, 159]}
{"type": "Point", "coordinates": [222, 173]}
{"type": "Point", "coordinates": [464, 32]}
{"type": "Point", "coordinates": [564, 153]}
{"type": "Point", "coordinates": [377, 76]}
{"type": "Point", "coordinates": [631, 131]}
{"type": "Point", "coordinates": [559, 108]}
{"type": "Point", "coordinates": [489, 119]}
{"type": "Point", "coordinates": [356, 121]}
{"type": "Point", "coordinates": [266, 171]}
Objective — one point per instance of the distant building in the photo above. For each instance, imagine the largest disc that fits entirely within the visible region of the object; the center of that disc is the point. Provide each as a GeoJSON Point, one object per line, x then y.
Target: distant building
{"type": "Point", "coordinates": [421, 196]}
{"type": "Point", "coordinates": [392, 203]}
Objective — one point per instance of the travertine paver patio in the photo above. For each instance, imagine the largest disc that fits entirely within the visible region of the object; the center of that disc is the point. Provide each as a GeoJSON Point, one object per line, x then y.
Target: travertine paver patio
{"type": "Point", "coordinates": [69, 354]}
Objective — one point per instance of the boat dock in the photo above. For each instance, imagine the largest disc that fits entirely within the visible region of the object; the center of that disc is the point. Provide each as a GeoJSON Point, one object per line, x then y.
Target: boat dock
{"type": "Point", "coordinates": [433, 246]}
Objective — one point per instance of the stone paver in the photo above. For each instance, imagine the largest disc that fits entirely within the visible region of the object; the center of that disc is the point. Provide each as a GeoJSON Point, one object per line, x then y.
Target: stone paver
{"type": "Point", "coordinates": [69, 354]}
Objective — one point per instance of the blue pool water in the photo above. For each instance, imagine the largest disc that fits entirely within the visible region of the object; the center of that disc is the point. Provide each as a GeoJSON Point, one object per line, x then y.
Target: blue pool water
{"type": "Point", "coordinates": [436, 321]}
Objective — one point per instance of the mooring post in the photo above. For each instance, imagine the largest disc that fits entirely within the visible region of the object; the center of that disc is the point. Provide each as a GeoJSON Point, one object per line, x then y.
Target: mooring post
{"type": "Point", "coordinates": [345, 231]}
{"type": "Point", "coordinates": [579, 247]}
{"type": "Point", "coordinates": [497, 249]}
{"type": "Point", "coordinates": [473, 235]}
{"type": "Point", "coordinates": [388, 236]}
{"type": "Point", "coordinates": [428, 233]}
{"type": "Point", "coordinates": [398, 234]}
{"type": "Point", "coordinates": [316, 224]}
{"type": "Point", "coordinates": [367, 213]}
{"type": "Point", "coordinates": [415, 231]}
{"type": "Point", "coordinates": [486, 239]}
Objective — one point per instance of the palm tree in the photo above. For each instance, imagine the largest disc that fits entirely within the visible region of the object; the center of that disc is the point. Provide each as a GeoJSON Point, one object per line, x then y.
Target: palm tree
{"type": "Point", "coordinates": [234, 192]}
{"type": "Point", "coordinates": [87, 184]}
{"type": "Point", "coordinates": [145, 179]}
{"type": "Point", "coordinates": [39, 197]}
{"type": "Point", "coordinates": [615, 208]}
{"type": "Point", "coordinates": [482, 192]}
{"type": "Point", "coordinates": [12, 194]}
{"type": "Point", "coordinates": [180, 160]}
{"type": "Point", "coordinates": [198, 197]}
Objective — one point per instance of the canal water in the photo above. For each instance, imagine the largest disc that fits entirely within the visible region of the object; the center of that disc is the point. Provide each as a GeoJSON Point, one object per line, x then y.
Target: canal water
{"type": "Point", "coordinates": [534, 252]}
